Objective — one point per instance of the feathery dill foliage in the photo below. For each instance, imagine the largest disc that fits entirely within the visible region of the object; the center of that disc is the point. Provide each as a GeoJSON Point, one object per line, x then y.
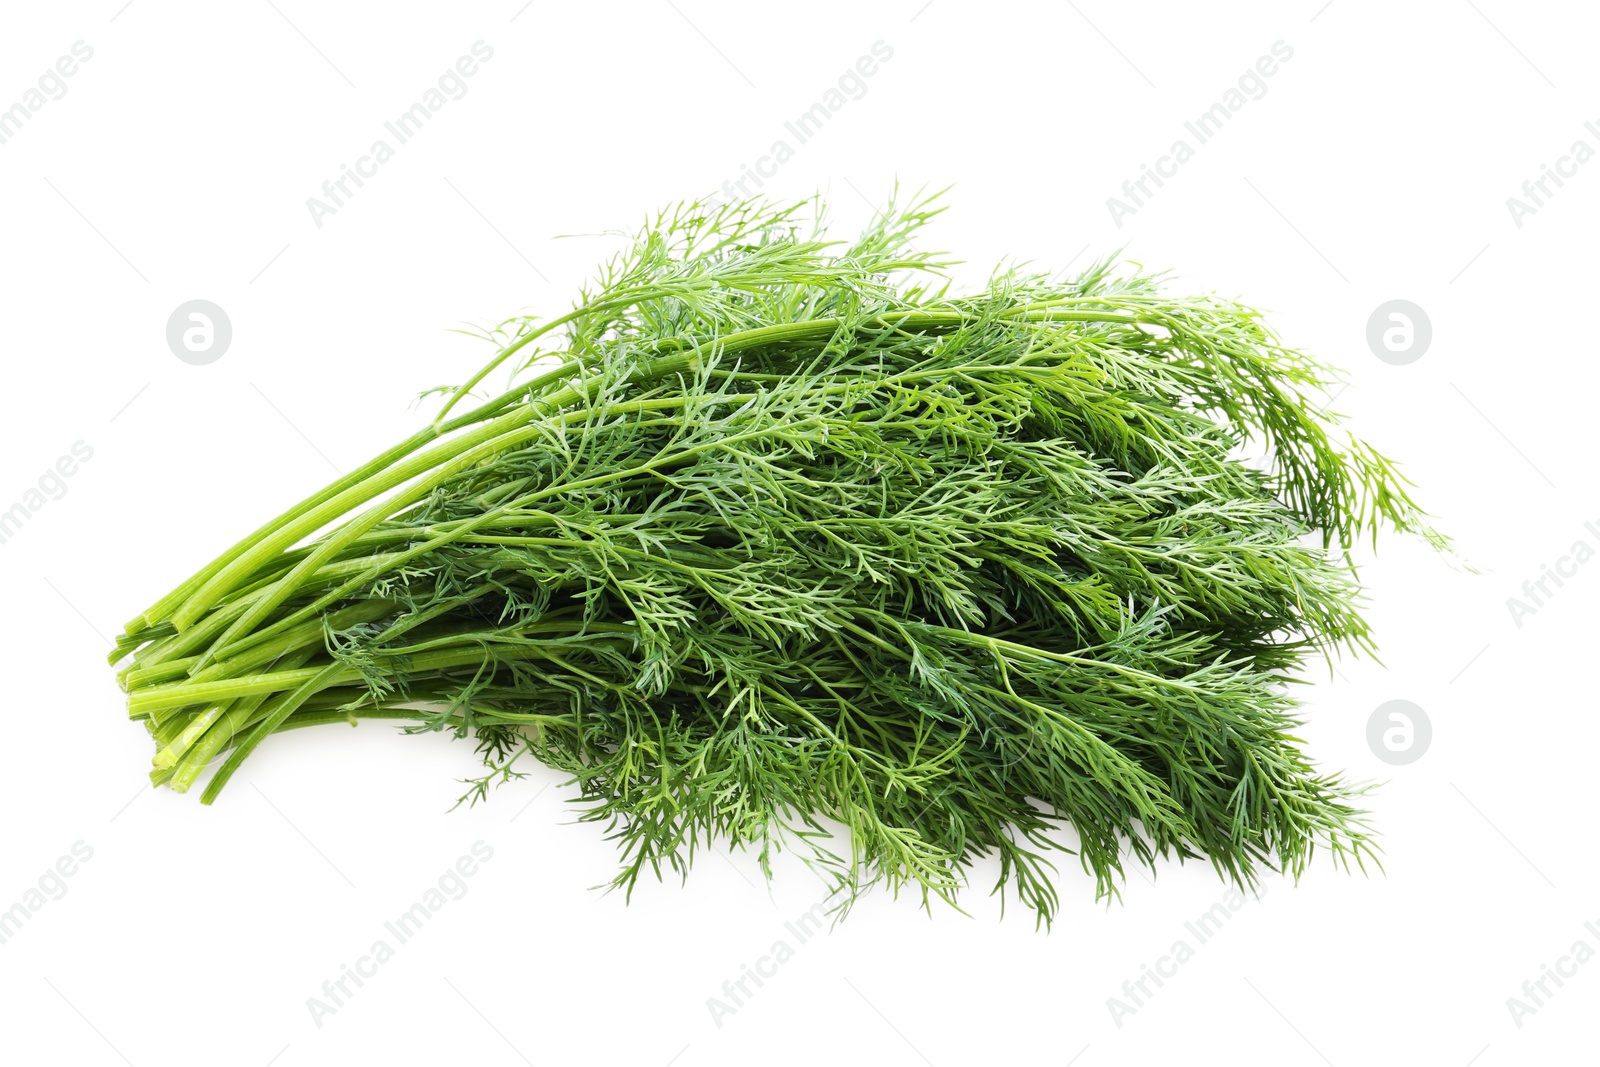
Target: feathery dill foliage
{"type": "Point", "coordinates": [776, 532]}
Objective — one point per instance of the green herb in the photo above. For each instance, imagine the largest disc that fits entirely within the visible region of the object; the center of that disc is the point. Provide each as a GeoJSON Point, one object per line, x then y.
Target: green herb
{"type": "Point", "coordinates": [772, 535]}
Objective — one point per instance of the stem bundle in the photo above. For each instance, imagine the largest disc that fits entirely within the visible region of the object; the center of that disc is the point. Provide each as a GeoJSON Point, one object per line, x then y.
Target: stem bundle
{"type": "Point", "coordinates": [782, 532]}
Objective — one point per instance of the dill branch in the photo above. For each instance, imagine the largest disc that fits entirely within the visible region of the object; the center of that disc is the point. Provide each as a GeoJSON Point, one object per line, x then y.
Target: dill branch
{"type": "Point", "coordinates": [773, 533]}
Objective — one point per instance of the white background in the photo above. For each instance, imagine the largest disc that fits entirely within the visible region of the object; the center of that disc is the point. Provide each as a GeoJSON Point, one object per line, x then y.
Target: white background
{"type": "Point", "coordinates": [177, 166]}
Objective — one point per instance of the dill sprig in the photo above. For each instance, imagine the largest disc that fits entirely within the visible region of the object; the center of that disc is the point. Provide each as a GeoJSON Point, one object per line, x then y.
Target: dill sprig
{"type": "Point", "coordinates": [772, 535]}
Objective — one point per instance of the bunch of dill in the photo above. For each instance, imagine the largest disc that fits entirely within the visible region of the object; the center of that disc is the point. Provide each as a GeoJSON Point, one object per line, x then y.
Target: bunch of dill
{"type": "Point", "coordinates": [772, 535]}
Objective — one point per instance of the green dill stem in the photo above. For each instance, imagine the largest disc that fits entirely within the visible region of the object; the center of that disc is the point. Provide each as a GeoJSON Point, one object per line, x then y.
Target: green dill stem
{"type": "Point", "coordinates": [170, 753]}
{"type": "Point", "coordinates": [309, 568]}
{"type": "Point", "coordinates": [158, 614]}
{"type": "Point", "coordinates": [374, 567]}
{"type": "Point", "coordinates": [505, 354]}
{"type": "Point", "coordinates": [282, 707]}
{"type": "Point", "coordinates": [161, 610]}
{"type": "Point", "coordinates": [212, 583]}
{"type": "Point", "coordinates": [440, 464]}
{"type": "Point", "coordinates": [306, 634]}
{"type": "Point", "coordinates": [224, 579]}
{"type": "Point", "coordinates": [179, 645]}
{"type": "Point", "coordinates": [185, 694]}
{"type": "Point", "coordinates": [192, 758]}
{"type": "Point", "coordinates": [190, 591]}
{"type": "Point", "coordinates": [335, 543]}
